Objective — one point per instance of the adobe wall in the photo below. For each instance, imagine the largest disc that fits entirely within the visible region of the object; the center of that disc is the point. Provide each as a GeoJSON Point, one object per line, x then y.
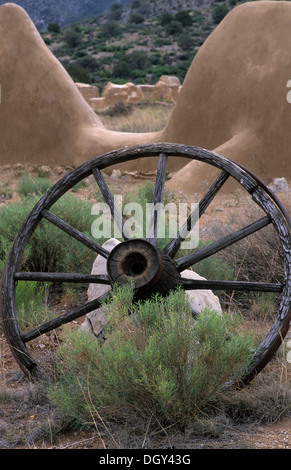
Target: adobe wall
{"type": "Point", "coordinates": [233, 99]}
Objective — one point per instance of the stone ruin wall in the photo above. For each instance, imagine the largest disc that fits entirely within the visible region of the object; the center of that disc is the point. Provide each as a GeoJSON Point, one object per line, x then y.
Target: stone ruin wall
{"type": "Point", "coordinates": [166, 90]}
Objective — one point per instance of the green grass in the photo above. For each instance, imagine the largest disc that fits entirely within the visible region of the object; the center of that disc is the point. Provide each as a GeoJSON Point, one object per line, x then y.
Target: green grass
{"type": "Point", "coordinates": [32, 304]}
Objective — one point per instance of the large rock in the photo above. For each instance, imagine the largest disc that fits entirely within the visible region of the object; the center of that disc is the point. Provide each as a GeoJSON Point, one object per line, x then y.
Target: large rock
{"type": "Point", "coordinates": [96, 320]}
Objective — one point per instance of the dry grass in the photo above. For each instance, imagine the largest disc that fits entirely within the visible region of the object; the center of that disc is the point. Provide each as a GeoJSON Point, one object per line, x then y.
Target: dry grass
{"type": "Point", "coordinates": [132, 118]}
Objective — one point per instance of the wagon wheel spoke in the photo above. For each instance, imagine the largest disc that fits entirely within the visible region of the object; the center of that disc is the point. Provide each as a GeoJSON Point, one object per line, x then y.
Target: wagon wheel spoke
{"type": "Point", "coordinates": [244, 286]}
{"type": "Point", "coordinates": [152, 236]}
{"type": "Point", "coordinates": [73, 232]}
{"type": "Point", "coordinates": [174, 245]}
{"type": "Point", "coordinates": [63, 319]}
{"type": "Point", "coordinates": [159, 272]}
{"type": "Point", "coordinates": [62, 277]}
{"type": "Point", "coordinates": [117, 217]}
{"type": "Point", "coordinates": [187, 261]}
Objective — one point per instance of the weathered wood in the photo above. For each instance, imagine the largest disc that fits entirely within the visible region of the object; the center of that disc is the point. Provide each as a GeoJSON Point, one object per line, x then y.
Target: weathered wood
{"type": "Point", "coordinates": [281, 324]}
{"type": "Point", "coordinates": [157, 199]}
{"type": "Point", "coordinates": [135, 260]}
{"type": "Point", "coordinates": [174, 245]}
{"type": "Point", "coordinates": [189, 284]}
{"type": "Point", "coordinates": [62, 277]}
{"type": "Point", "coordinates": [260, 193]}
{"type": "Point", "coordinates": [187, 261]}
{"type": "Point", "coordinates": [74, 233]}
{"type": "Point", "coordinates": [63, 319]}
{"type": "Point", "coordinates": [110, 201]}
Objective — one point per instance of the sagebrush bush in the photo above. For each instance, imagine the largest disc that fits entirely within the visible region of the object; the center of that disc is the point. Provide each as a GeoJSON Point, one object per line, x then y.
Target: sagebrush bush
{"type": "Point", "coordinates": [30, 186]}
{"type": "Point", "coordinates": [256, 258]}
{"type": "Point", "coordinates": [156, 361]}
{"type": "Point", "coordinates": [49, 249]}
{"type": "Point", "coordinates": [31, 301]}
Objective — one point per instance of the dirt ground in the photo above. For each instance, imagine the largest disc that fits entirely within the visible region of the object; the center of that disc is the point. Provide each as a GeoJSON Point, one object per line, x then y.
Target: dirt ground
{"type": "Point", "coordinates": [29, 421]}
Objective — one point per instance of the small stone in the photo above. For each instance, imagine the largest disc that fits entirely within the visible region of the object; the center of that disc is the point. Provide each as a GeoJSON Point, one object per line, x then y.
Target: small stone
{"type": "Point", "coordinates": [279, 185]}
{"type": "Point", "coordinates": [115, 174]}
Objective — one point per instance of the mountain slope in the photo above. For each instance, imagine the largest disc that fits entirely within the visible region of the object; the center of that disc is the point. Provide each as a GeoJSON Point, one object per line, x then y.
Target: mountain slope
{"type": "Point", "coordinates": [138, 42]}
{"type": "Point", "coordinates": [62, 12]}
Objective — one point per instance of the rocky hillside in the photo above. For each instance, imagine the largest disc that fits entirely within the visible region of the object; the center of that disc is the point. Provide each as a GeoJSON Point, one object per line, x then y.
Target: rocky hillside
{"type": "Point", "coordinates": [99, 41]}
{"type": "Point", "coordinates": [63, 12]}
{"type": "Point", "coordinates": [138, 41]}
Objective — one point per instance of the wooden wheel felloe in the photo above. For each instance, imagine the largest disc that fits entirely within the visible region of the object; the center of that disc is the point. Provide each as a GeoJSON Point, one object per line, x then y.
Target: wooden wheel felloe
{"type": "Point", "coordinates": [153, 269]}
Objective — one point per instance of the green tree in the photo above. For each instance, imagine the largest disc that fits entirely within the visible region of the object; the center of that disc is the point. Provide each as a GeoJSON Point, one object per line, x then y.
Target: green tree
{"type": "Point", "coordinates": [111, 28]}
{"type": "Point", "coordinates": [184, 17]}
{"type": "Point", "coordinates": [115, 11]}
{"type": "Point", "coordinates": [78, 73]}
{"type": "Point", "coordinates": [174, 27]}
{"type": "Point", "coordinates": [166, 18]}
{"type": "Point", "coordinates": [136, 17]}
{"type": "Point", "coordinates": [186, 42]}
{"type": "Point", "coordinates": [219, 12]}
{"type": "Point", "coordinates": [72, 37]}
{"type": "Point", "coordinates": [138, 59]}
{"type": "Point", "coordinates": [121, 69]}
{"type": "Point", "coordinates": [54, 28]}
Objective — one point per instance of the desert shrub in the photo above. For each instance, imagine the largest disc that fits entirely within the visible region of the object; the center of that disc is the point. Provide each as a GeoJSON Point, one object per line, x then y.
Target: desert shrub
{"type": "Point", "coordinates": [111, 28]}
{"type": "Point", "coordinates": [72, 37]}
{"type": "Point", "coordinates": [186, 42]}
{"type": "Point", "coordinates": [54, 28]}
{"type": "Point", "coordinates": [32, 304]}
{"type": "Point", "coordinates": [121, 69]}
{"type": "Point", "coordinates": [49, 249]}
{"type": "Point", "coordinates": [156, 361]}
{"type": "Point", "coordinates": [219, 12]}
{"type": "Point", "coordinates": [136, 17]}
{"type": "Point", "coordinates": [30, 186]}
{"type": "Point", "coordinates": [77, 72]}
{"type": "Point", "coordinates": [143, 194]}
{"type": "Point", "coordinates": [213, 267]}
{"type": "Point", "coordinates": [174, 27]}
{"type": "Point", "coordinates": [256, 258]}
{"type": "Point", "coordinates": [184, 17]}
{"type": "Point", "coordinates": [166, 18]}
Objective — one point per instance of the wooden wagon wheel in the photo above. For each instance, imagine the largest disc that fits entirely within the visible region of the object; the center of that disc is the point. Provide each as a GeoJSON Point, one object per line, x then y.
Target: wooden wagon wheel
{"type": "Point", "coordinates": [152, 269]}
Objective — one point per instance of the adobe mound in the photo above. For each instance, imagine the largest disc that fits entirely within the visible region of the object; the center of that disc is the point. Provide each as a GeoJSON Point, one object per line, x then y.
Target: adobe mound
{"type": "Point", "coordinates": [233, 99]}
{"type": "Point", "coordinates": [43, 117]}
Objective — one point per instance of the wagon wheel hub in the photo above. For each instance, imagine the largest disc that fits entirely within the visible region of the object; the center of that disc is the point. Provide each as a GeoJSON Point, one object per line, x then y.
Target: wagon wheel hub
{"type": "Point", "coordinates": [153, 270]}
{"type": "Point", "coordinates": [138, 260]}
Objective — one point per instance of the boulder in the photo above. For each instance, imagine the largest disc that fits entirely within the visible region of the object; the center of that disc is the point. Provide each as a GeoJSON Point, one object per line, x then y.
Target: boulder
{"type": "Point", "coordinates": [96, 320]}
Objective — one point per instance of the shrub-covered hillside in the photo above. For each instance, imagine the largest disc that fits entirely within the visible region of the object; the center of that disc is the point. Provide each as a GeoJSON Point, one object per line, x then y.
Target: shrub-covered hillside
{"type": "Point", "coordinates": [138, 41]}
